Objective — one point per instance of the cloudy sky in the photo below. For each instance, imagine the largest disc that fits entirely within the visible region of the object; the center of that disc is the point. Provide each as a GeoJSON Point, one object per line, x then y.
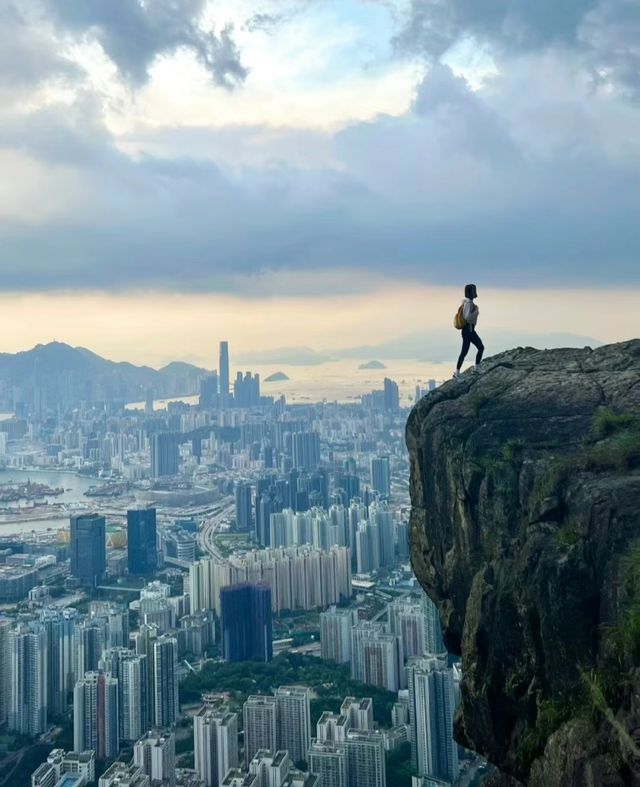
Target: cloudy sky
{"type": "Point", "coordinates": [319, 172]}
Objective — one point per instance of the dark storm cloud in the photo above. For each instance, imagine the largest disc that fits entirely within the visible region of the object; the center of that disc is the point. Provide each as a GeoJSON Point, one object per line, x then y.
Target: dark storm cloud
{"type": "Point", "coordinates": [604, 31]}
{"type": "Point", "coordinates": [133, 33]}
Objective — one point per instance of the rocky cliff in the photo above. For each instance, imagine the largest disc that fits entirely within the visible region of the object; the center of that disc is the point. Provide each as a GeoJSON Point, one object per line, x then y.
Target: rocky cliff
{"type": "Point", "coordinates": [525, 526]}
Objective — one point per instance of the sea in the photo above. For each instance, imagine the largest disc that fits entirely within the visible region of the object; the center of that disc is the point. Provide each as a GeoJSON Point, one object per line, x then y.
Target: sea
{"type": "Point", "coordinates": [335, 381]}
{"type": "Point", "coordinates": [73, 496]}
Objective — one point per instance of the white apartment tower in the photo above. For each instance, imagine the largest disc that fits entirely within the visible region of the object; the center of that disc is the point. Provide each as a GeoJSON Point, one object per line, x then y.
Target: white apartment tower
{"type": "Point", "coordinates": [294, 721]}
{"type": "Point", "coordinates": [155, 753]}
{"type": "Point", "coordinates": [215, 735]}
{"type": "Point", "coordinates": [28, 708]}
{"type": "Point", "coordinates": [260, 715]}
{"type": "Point", "coordinates": [431, 710]}
{"type": "Point", "coordinates": [335, 635]}
{"type": "Point", "coordinates": [365, 753]}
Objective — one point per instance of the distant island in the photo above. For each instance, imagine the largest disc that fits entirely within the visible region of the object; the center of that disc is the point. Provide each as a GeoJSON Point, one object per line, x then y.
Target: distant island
{"type": "Point", "coordinates": [372, 365]}
{"type": "Point", "coordinates": [277, 377]}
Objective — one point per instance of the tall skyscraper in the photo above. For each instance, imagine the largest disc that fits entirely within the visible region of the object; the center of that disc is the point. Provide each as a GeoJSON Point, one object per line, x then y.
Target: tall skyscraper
{"type": "Point", "coordinates": [164, 454]}
{"type": "Point", "coordinates": [148, 402]}
{"type": "Point", "coordinates": [380, 514]}
{"type": "Point", "coordinates": [142, 551]}
{"type": "Point", "coordinates": [28, 709]}
{"type": "Point", "coordinates": [434, 643]}
{"type": "Point", "coordinates": [431, 711]}
{"type": "Point", "coordinates": [367, 547]}
{"type": "Point", "coordinates": [335, 635]}
{"type": "Point", "coordinates": [244, 509]}
{"type": "Point", "coordinates": [215, 738]}
{"type": "Point", "coordinates": [117, 626]}
{"type": "Point", "coordinates": [381, 475]}
{"type": "Point", "coordinates": [95, 715]}
{"type": "Point", "coordinates": [391, 395]}
{"type": "Point", "coordinates": [306, 450]}
{"type": "Point", "coordinates": [143, 643]}
{"type": "Point", "coordinates": [260, 714]}
{"type": "Point", "coordinates": [209, 391]}
{"type": "Point", "coordinates": [224, 373]}
{"type": "Point", "coordinates": [88, 548]}
{"type": "Point", "coordinates": [55, 625]}
{"type": "Point", "coordinates": [333, 727]}
{"type": "Point", "coordinates": [246, 623]}
{"type": "Point", "coordinates": [376, 657]}
{"type": "Point", "coordinates": [246, 390]}
{"type": "Point", "coordinates": [201, 589]}
{"type": "Point", "coordinates": [329, 761]}
{"type": "Point", "coordinates": [365, 753]}
{"type": "Point", "coordinates": [5, 670]}
{"type": "Point", "coordinates": [409, 621]}
{"type": "Point", "coordinates": [294, 721]}
{"type": "Point", "coordinates": [90, 639]}
{"type": "Point", "coordinates": [273, 767]}
{"type": "Point", "coordinates": [165, 652]}
{"type": "Point", "coordinates": [359, 712]}
{"type": "Point", "coordinates": [155, 753]}
{"type": "Point", "coordinates": [130, 669]}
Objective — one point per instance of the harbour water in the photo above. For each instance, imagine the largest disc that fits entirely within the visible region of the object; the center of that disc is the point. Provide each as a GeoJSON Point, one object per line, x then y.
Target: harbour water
{"type": "Point", "coordinates": [341, 381]}
{"type": "Point", "coordinates": [73, 496]}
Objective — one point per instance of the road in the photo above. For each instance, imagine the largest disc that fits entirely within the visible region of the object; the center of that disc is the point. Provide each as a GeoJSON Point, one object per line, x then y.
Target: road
{"type": "Point", "coordinates": [211, 526]}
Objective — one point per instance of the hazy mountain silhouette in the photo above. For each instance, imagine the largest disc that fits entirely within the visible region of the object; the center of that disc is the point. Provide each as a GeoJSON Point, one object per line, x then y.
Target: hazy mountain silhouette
{"type": "Point", "coordinates": [75, 373]}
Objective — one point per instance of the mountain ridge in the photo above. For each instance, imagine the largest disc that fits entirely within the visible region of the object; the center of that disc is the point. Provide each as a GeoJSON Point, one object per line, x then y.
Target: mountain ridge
{"type": "Point", "coordinates": [63, 371]}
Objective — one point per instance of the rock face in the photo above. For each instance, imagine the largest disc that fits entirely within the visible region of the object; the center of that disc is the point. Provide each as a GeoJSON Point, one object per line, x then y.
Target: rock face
{"type": "Point", "coordinates": [525, 486]}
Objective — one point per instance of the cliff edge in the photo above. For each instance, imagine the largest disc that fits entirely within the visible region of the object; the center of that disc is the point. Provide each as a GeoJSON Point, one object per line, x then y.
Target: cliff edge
{"type": "Point", "coordinates": [525, 528]}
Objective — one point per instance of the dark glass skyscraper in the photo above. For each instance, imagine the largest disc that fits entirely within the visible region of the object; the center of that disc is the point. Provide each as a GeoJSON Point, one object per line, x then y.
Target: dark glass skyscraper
{"type": "Point", "coordinates": [391, 395]}
{"type": "Point", "coordinates": [381, 475]}
{"type": "Point", "coordinates": [164, 454]}
{"type": "Point", "coordinates": [306, 450]}
{"type": "Point", "coordinates": [209, 391]}
{"type": "Point", "coordinates": [224, 372]}
{"type": "Point", "coordinates": [141, 537]}
{"type": "Point", "coordinates": [88, 548]}
{"type": "Point", "coordinates": [244, 511]}
{"type": "Point", "coordinates": [245, 622]}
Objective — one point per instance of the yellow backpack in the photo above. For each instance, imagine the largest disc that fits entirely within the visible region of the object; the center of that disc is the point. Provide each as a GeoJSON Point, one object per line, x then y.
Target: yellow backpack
{"type": "Point", "coordinates": [458, 320]}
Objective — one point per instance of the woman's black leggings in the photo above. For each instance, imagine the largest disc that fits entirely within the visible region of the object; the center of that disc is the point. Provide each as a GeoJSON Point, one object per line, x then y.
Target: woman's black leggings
{"type": "Point", "coordinates": [469, 337]}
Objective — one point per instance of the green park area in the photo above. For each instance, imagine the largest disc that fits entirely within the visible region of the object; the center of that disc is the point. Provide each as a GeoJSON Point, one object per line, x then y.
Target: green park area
{"type": "Point", "coordinates": [329, 683]}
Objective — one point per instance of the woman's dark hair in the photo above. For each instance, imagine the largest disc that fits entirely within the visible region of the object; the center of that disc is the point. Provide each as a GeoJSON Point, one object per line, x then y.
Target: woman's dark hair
{"type": "Point", "coordinates": [470, 291]}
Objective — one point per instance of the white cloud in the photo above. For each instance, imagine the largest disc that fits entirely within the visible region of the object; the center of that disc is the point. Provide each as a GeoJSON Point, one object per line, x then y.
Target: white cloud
{"type": "Point", "coordinates": [318, 162]}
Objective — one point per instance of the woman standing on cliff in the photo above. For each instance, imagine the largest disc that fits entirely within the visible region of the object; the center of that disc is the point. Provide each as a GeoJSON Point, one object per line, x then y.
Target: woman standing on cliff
{"type": "Point", "coordinates": [469, 317]}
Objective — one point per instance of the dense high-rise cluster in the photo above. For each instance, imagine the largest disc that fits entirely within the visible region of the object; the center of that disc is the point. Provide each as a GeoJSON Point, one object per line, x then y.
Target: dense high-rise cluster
{"type": "Point", "coordinates": [213, 535]}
